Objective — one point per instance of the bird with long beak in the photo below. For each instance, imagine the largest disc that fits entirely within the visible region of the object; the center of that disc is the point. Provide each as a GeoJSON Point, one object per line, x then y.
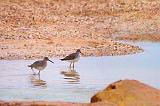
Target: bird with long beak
{"type": "Point", "coordinates": [40, 65]}
{"type": "Point", "coordinates": [72, 58]}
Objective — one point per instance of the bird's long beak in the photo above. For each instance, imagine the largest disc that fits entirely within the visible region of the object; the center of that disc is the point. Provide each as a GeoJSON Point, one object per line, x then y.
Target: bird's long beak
{"type": "Point", "coordinates": [82, 53]}
{"type": "Point", "coordinates": [51, 61]}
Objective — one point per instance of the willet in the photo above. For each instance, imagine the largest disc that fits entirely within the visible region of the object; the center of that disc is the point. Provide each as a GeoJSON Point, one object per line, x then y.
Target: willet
{"type": "Point", "coordinates": [72, 58]}
{"type": "Point", "coordinates": [40, 65]}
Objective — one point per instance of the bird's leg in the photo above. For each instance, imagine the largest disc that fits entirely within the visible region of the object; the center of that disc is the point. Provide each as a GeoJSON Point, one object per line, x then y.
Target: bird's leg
{"type": "Point", "coordinates": [33, 71]}
{"type": "Point", "coordinates": [70, 65]}
{"type": "Point", "coordinates": [39, 76]}
{"type": "Point", "coordinates": [73, 65]}
{"type": "Point", "coordinates": [39, 72]}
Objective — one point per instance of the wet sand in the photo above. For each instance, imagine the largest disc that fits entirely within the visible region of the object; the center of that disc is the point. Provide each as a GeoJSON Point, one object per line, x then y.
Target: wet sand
{"type": "Point", "coordinates": [152, 38]}
{"type": "Point", "coordinates": [58, 47]}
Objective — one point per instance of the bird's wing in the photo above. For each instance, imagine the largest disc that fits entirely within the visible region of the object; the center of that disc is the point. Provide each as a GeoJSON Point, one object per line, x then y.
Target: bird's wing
{"type": "Point", "coordinates": [70, 57]}
{"type": "Point", "coordinates": [37, 63]}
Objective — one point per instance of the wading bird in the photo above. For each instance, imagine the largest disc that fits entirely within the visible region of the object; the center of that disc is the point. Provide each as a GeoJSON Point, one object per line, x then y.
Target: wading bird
{"type": "Point", "coordinates": [72, 58]}
{"type": "Point", "coordinates": [40, 65]}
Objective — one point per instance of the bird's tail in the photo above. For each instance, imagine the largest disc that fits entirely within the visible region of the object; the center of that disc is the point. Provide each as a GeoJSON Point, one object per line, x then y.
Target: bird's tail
{"type": "Point", "coordinates": [62, 59]}
{"type": "Point", "coordinates": [29, 65]}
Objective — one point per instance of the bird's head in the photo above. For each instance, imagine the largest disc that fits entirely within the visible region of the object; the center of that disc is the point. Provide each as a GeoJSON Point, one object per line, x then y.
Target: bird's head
{"type": "Point", "coordinates": [47, 59]}
{"type": "Point", "coordinates": [79, 51]}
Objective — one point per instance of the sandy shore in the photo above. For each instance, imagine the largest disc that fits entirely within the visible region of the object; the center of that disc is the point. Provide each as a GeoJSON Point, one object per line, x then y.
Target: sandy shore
{"type": "Point", "coordinates": [34, 29]}
{"type": "Point", "coordinates": [58, 47]}
{"type": "Point", "coordinates": [153, 38]}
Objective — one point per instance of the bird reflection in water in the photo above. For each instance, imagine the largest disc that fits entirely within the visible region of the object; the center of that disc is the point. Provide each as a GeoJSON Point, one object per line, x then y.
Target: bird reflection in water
{"type": "Point", "coordinates": [71, 76]}
{"type": "Point", "coordinates": [36, 81]}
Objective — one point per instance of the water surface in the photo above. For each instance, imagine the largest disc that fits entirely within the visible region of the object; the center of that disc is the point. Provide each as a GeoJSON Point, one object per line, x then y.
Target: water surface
{"type": "Point", "coordinates": [91, 74]}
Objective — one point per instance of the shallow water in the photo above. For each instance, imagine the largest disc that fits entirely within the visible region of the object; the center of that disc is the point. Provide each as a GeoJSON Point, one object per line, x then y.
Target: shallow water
{"type": "Point", "coordinates": [92, 74]}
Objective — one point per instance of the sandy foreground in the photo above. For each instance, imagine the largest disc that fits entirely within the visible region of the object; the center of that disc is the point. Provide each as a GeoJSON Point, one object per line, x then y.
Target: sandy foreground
{"type": "Point", "coordinates": [31, 29]}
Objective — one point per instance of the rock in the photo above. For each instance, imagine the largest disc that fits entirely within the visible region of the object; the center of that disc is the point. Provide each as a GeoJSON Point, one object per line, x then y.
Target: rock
{"type": "Point", "coordinates": [129, 93]}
